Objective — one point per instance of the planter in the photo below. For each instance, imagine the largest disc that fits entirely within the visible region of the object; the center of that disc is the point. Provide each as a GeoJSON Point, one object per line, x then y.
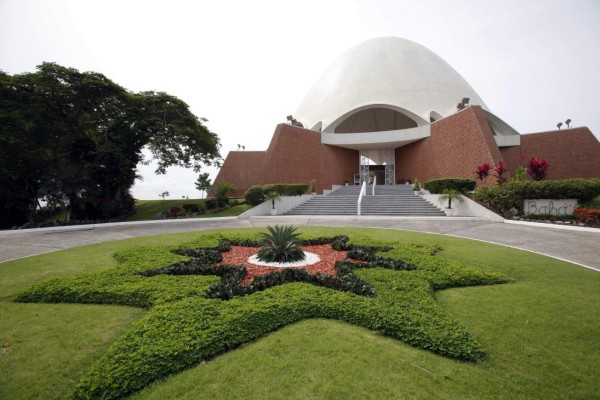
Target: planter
{"type": "Point", "coordinates": [314, 193]}
{"type": "Point", "coordinates": [273, 211]}
{"type": "Point", "coordinates": [449, 211]}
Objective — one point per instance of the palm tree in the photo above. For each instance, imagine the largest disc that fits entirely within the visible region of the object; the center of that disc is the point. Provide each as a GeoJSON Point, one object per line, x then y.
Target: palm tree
{"type": "Point", "coordinates": [450, 194]}
{"type": "Point", "coordinates": [273, 196]}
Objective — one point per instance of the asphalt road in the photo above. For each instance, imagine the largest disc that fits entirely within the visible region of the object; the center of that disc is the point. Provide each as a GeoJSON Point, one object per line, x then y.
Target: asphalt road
{"type": "Point", "coordinates": [577, 245]}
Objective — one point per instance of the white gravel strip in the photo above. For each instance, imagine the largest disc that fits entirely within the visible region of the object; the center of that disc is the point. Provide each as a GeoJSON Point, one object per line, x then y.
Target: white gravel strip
{"type": "Point", "coordinates": [311, 258]}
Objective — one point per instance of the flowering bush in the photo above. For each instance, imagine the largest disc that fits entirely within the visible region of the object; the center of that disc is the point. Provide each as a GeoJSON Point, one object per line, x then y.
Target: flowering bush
{"type": "Point", "coordinates": [500, 171]}
{"type": "Point", "coordinates": [537, 168]}
{"type": "Point", "coordinates": [587, 215]}
{"type": "Point", "coordinates": [175, 211]}
{"type": "Point", "coordinates": [483, 171]}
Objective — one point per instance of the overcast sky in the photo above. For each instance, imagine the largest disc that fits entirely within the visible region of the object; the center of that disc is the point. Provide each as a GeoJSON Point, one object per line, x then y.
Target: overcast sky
{"type": "Point", "coordinates": [246, 65]}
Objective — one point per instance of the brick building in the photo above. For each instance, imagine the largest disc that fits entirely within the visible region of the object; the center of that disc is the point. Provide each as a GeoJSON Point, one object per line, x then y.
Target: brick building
{"type": "Point", "coordinates": [391, 110]}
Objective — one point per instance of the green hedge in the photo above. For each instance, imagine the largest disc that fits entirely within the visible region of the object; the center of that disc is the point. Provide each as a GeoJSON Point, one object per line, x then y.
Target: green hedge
{"type": "Point", "coordinates": [287, 189]}
{"type": "Point", "coordinates": [500, 199]}
{"type": "Point", "coordinates": [256, 193]}
{"type": "Point", "coordinates": [437, 186]}
{"type": "Point", "coordinates": [582, 189]}
{"type": "Point", "coordinates": [184, 327]}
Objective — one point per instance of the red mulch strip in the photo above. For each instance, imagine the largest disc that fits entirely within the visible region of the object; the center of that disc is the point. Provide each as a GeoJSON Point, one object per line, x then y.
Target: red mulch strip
{"type": "Point", "coordinates": [238, 255]}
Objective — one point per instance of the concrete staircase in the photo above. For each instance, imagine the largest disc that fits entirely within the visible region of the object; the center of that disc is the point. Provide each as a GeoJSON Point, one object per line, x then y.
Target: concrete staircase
{"type": "Point", "coordinates": [388, 200]}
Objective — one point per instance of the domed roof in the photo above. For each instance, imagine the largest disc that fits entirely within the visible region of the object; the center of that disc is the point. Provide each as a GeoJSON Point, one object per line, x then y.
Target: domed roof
{"type": "Point", "coordinates": [385, 73]}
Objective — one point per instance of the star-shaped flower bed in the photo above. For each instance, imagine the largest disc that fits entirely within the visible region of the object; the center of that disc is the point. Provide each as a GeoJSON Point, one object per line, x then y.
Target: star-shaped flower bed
{"type": "Point", "coordinates": [324, 265]}
{"type": "Point", "coordinates": [200, 306]}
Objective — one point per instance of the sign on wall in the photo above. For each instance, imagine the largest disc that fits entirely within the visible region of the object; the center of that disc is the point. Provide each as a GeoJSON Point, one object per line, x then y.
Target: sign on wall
{"type": "Point", "coordinates": [550, 206]}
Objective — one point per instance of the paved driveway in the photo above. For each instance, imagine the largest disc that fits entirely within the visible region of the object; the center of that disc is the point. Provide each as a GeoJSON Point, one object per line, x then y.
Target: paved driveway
{"type": "Point", "coordinates": [578, 245]}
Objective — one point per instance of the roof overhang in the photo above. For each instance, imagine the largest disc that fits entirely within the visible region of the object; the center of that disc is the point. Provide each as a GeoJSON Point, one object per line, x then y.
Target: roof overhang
{"type": "Point", "coordinates": [376, 140]}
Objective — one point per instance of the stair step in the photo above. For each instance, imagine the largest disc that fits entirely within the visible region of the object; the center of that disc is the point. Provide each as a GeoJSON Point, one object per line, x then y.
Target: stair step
{"type": "Point", "coordinates": [388, 200]}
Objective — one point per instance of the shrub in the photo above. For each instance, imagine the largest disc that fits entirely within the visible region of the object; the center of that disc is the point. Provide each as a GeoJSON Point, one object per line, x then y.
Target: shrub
{"type": "Point", "coordinates": [483, 171]}
{"type": "Point", "coordinates": [280, 244]}
{"type": "Point", "coordinates": [512, 194]}
{"type": "Point", "coordinates": [582, 189]}
{"type": "Point", "coordinates": [182, 327]}
{"type": "Point", "coordinates": [175, 211]}
{"type": "Point", "coordinates": [593, 203]}
{"type": "Point", "coordinates": [286, 189]}
{"type": "Point", "coordinates": [500, 169]}
{"type": "Point", "coordinates": [437, 186]}
{"type": "Point", "coordinates": [537, 168]}
{"type": "Point", "coordinates": [210, 204]}
{"type": "Point", "coordinates": [586, 215]}
{"type": "Point", "coordinates": [255, 195]}
{"type": "Point", "coordinates": [191, 208]}
{"type": "Point", "coordinates": [499, 199]}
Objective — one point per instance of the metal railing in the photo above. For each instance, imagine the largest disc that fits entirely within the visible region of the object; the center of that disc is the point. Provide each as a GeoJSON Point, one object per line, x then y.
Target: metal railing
{"type": "Point", "coordinates": [363, 191]}
{"type": "Point", "coordinates": [374, 183]}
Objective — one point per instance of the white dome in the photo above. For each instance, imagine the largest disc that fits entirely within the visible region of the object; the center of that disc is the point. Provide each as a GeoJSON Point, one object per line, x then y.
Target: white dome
{"type": "Point", "coordinates": [361, 90]}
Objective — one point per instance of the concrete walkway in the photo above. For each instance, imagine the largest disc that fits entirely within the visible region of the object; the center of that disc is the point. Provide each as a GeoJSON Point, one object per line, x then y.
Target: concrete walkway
{"type": "Point", "coordinates": [577, 245]}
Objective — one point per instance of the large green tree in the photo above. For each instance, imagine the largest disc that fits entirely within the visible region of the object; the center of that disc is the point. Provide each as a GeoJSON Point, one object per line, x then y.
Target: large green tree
{"type": "Point", "coordinates": [78, 137]}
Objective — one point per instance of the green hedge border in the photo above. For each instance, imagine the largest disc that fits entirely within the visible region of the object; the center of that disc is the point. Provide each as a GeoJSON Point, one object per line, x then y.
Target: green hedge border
{"type": "Point", "coordinates": [184, 327]}
{"type": "Point", "coordinates": [437, 186]}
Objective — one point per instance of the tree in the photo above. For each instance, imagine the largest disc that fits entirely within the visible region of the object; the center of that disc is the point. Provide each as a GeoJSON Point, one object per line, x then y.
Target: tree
{"type": "Point", "coordinates": [222, 191]}
{"type": "Point", "coordinates": [450, 194]}
{"type": "Point", "coordinates": [164, 194]}
{"type": "Point", "coordinates": [273, 196]}
{"type": "Point", "coordinates": [79, 137]}
{"type": "Point", "coordinates": [203, 183]}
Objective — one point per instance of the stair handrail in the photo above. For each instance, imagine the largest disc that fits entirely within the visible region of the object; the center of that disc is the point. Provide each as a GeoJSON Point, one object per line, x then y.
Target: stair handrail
{"type": "Point", "coordinates": [363, 191]}
{"type": "Point", "coordinates": [374, 183]}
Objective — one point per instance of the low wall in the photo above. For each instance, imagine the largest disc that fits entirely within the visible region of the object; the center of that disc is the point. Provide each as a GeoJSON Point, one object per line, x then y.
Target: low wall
{"type": "Point", "coordinates": [466, 208]}
{"type": "Point", "coordinates": [285, 203]}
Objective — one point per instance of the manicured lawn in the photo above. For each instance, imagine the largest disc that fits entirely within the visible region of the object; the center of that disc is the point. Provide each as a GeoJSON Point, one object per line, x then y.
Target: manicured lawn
{"type": "Point", "coordinates": [540, 334]}
{"type": "Point", "coordinates": [146, 210]}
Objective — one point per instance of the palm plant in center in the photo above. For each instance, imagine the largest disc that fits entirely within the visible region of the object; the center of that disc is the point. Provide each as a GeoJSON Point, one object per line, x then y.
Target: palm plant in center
{"type": "Point", "coordinates": [281, 244]}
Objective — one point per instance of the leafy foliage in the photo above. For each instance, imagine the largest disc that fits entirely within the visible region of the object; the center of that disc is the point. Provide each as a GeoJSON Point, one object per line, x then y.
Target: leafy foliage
{"type": "Point", "coordinates": [76, 138]}
{"type": "Point", "coordinates": [499, 171]}
{"type": "Point", "coordinates": [587, 215]}
{"type": "Point", "coordinates": [512, 194]}
{"type": "Point", "coordinates": [483, 171]}
{"type": "Point", "coordinates": [254, 195]}
{"type": "Point", "coordinates": [537, 168]}
{"type": "Point", "coordinates": [203, 182]}
{"type": "Point", "coordinates": [286, 189]}
{"type": "Point", "coordinates": [280, 244]}
{"type": "Point", "coordinates": [183, 326]}
{"type": "Point", "coordinates": [451, 194]}
{"type": "Point", "coordinates": [437, 186]}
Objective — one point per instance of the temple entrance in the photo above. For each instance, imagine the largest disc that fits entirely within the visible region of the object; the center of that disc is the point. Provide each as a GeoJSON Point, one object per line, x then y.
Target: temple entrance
{"type": "Point", "coordinates": [377, 164]}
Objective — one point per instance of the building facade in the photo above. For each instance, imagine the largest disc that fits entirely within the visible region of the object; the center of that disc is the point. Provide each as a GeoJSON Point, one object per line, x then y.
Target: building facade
{"type": "Point", "coordinates": [391, 110]}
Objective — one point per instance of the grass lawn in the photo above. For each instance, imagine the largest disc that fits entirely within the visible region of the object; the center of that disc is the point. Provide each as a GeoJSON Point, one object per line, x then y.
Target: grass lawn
{"type": "Point", "coordinates": [146, 210]}
{"type": "Point", "coordinates": [540, 334]}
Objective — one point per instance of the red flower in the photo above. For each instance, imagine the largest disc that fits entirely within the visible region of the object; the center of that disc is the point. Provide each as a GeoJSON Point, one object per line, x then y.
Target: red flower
{"type": "Point", "coordinates": [537, 168]}
{"type": "Point", "coordinates": [483, 171]}
{"type": "Point", "coordinates": [500, 171]}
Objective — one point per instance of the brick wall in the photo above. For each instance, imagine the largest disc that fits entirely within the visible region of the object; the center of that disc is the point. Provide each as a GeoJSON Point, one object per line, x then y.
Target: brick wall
{"type": "Point", "coordinates": [457, 145]}
{"type": "Point", "coordinates": [295, 155]}
{"type": "Point", "coordinates": [572, 153]}
{"type": "Point", "coordinates": [242, 169]}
